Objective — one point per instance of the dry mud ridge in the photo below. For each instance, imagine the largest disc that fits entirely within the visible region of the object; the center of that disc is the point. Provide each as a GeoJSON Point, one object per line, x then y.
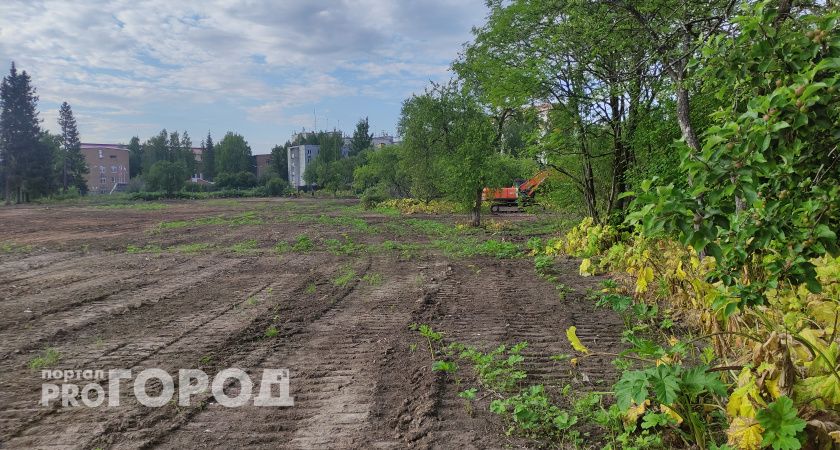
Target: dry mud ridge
{"type": "Point", "coordinates": [68, 283]}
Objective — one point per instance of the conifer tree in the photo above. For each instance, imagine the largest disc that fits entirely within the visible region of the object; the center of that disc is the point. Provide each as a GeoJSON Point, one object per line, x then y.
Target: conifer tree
{"type": "Point", "coordinates": [23, 155]}
{"type": "Point", "coordinates": [73, 166]}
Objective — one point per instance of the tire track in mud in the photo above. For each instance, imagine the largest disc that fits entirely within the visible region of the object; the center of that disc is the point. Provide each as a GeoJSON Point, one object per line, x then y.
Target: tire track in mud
{"type": "Point", "coordinates": [34, 266]}
{"type": "Point", "coordinates": [69, 289]}
{"type": "Point", "coordinates": [514, 306]}
{"type": "Point", "coordinates": [175, 345]}
{"type": "Point", "coordinates": [334, 380]}
{"type": "Point", "coordinates": [66, 320]}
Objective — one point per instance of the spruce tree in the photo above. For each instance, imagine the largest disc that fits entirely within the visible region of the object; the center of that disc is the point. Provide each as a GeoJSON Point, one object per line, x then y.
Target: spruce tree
{"type": "Point", "coordinates": [135, 157]}
{"type": "Point", "coordinates": [361, 138]}
{"type": "Point", "coordinates": [23, 154]}
{"type": "Point", "coordinates": [208, 159]}
{"type": "Point", "coordinates": [73, 166]}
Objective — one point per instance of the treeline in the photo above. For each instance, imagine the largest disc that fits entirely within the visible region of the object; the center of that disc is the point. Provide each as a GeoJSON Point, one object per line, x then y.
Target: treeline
{"type": "Point", "coordinates": [33, 162]}
{"type": "Point", "coordinates": [166, 161]}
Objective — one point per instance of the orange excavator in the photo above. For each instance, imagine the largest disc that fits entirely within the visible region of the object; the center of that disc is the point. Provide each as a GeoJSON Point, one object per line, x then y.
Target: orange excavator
{"type": "Point", "coordinates": [512, 199]}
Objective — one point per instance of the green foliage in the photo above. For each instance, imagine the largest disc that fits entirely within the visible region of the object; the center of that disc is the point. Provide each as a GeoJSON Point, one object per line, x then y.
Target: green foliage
{"type": "Point", "coordinates": [533, 415]}
{"type": "Point", "coordinates": [451, 143]}
{"type": "Point", "coordinates": [444, 366]}
{"type": "Point", "coordinates": [48, 358]}
{"type": "Point", "coordinates": [373, 196]}
{"type": "Point", "coordinates": [344, 278]}
{"type": "Point", "coordinates": [763, 198]}
{"type": "Point", "coordinates": [498, 249]}
{"type": "Point", "coordinates": [232, 154]}
{"type": "Point", "coordinates": [499, 370]}
{"type": "Point", "coordinates": [344, 247]}
{"type": "Point", "coordinates": [303, 244]}
{"type": "Point", "coordinates": [781, 425]}
{"type": "Point", "coordinates": [166, 176]}
{"type": "Point", "coordinates": [361, 139]}
{"type": "Point", "coordinates": [384, 170]}
{"type": "Point", "coordinates": [271, 332]}
{"type": "Point", "coordinates": [247, 246]}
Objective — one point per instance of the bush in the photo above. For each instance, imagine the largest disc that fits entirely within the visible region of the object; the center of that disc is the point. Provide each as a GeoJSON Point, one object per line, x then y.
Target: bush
{"type": "Point", "coordinates": [136, 184]}
{"type": "Point", "coordinates": [276, 187]}
{"type": "Point", "coordinates": [197, 187]}
{"type": "Point", "coordinates": [373, 196]}
{"type": "Point", "coordinates": [166, 176]}
{"type": "Point", "coordinates": [240, 180]}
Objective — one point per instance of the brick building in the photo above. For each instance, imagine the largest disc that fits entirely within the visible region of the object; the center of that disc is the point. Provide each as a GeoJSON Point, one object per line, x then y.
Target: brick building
{"type": "Point", "coordinates": [263, 164]}
{"type": "Point", "coordinates": [108, 167]}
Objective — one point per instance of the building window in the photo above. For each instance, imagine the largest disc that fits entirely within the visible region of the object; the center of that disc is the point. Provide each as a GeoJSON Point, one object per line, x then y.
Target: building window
{"type": "Point", "coordinates": [113, 169]}
{"type": "Point", "coordinates": [101, 170]}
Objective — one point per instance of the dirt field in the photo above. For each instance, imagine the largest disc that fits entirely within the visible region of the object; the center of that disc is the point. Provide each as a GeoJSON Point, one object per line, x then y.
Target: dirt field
{"type": "Point", "coordinates": [198, 284]}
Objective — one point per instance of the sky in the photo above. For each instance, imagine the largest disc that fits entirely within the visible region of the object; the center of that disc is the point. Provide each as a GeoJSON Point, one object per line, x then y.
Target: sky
{"type": "Point", "coordinates": [264, 69]}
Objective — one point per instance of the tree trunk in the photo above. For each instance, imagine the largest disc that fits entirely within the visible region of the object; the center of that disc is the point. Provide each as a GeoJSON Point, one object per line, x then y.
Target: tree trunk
{"type": "Point", "coordinates": [476, 212]}
{"type": "Point", "coordinates": [684, 117]}
{"type": "Point", "coordinates": [65, 171]}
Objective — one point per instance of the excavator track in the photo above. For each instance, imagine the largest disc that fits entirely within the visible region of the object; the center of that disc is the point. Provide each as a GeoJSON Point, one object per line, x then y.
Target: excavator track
{"type": "Point", "coordinates": [506, 209]}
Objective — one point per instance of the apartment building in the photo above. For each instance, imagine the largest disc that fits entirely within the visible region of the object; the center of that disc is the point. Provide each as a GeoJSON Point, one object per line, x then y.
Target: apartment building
{"type": "Point", "coordinates": [108, 167]}
{"type": "Point", "coordinates": [299, 156]}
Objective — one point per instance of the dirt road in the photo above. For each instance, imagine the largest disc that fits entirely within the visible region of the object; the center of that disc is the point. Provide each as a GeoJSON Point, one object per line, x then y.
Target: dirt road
{"type": "Point", "coordinates": [203, 284]}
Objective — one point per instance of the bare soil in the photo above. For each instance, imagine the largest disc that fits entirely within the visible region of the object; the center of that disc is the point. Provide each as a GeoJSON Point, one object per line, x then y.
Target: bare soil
{"type": "Point", "coordinates": [112, 288]}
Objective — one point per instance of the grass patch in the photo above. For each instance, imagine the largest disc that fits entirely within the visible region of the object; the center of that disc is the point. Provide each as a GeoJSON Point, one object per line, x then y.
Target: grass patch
{"type": "Point", "coordinates": [465, 247]}
{"type": "Point", "coordinates": [431, 227]}
{"type": "Point", "coordinates": [303, 244]}
{"type": "Point", "coordinates": [282, 247]}
{"type": "Point", "coordinates": [310, 288]}
{"type": "Point", "coordinates": [11, 247]}
{"type": "Point", "coordinates": [345, 248]}
{"type": "Point", "coordinates": [342, 221]}
{"type": "Point", "coordinates": [245, 218]}
{"type": "Point", "coordinates": [346, 276]}
{"type": "Point", "coordinates": [373, 279]}
{"type": "Point", "coordinates": [245, 246]}
{"type": "Point", "coordinates": [139, 206]}
{"type": "Point", "coordinates": [271, 332]}
{"type": "Point", "coordinates": [47, 359]}
{"type": "Point", "coordinates": [499, 249]}
{"type": "Point", "coordinates": [407, 251]}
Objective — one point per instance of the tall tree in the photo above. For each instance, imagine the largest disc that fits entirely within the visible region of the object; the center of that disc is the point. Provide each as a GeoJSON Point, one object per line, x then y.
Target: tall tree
{"type": "Point", "coordinates": [591, 82]}
{"type": "Point", "coordinates": [675, 30]}
{"type": "Point", "coordinates": [233, 155]}
{"type": "Point", "coordinates": [279, 161]}
{"type": "Point", "coordinates": [22, 152]}
{"type": "Point", "coordinates": [361, 137]}
{"type": "Point", "coordinates": [186, 156]}
{"type": "Point", "coordinates": [447, 128]}
{"type": "Point", "coordinates": [208, 159]}
{"type": "Point", "coordinates": [135, 157]}
{"type": "Point", "coordinates": [155, 149]}
{"type": "Point", "coordinates": [73, 165]}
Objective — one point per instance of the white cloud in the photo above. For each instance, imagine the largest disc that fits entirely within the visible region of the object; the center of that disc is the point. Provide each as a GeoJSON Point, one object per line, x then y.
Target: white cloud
{"type": "Point", "coordinates": [112, 59]}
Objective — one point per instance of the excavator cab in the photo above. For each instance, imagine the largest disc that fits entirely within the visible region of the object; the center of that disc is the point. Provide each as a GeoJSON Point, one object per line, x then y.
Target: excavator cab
{"type": "Point", "coordinates": [512, 199]}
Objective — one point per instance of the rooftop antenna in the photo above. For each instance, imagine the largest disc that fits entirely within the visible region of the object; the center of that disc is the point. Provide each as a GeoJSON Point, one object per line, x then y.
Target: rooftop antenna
{"type": "Point", "coordinates": [315, 116]}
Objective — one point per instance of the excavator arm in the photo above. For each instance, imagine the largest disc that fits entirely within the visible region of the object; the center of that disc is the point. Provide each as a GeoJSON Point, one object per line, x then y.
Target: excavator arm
{"type": "Point", "coordinates": [529, 187]}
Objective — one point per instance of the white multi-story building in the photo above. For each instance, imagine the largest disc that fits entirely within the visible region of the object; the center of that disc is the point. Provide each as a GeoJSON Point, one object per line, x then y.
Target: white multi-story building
{"type": "Point", "coordinates": [298, 157]}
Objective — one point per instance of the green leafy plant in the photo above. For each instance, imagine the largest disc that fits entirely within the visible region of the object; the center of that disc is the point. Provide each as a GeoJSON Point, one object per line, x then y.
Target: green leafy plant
{"type": "Point", "coordinates": [782, 428]}
{"type": "Point", "coordinates": [48, 358]}
{"type": "Point", "coordinates": [271, 331]}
